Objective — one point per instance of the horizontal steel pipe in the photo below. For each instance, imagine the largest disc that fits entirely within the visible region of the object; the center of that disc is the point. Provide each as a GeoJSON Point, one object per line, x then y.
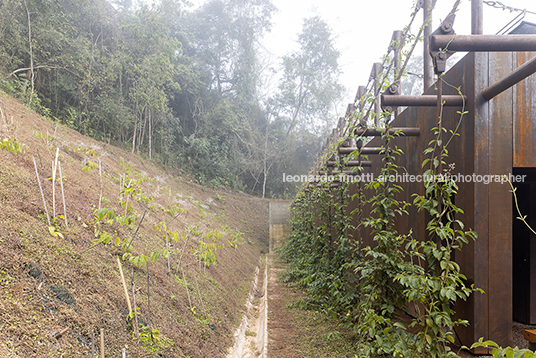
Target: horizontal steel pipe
{"type": "Point", "coordinates": [518, 75]}
{"type": "Point", "coordinates": [364, 150]}
{"type": "Point", "coordinates": [370, 132]}
{"type": "Point", "coordinates": [351, 163]}
{"type": "Point", "coordinates": [335, 172]}
{"type": "Point", "coordinates": [483, 43]}
{"type": "Point", "coordinates": [421, 101]}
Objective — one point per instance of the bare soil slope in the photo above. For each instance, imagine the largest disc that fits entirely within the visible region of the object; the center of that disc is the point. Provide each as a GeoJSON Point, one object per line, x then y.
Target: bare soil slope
{"type": "Point", "coordinates": [56, 277]}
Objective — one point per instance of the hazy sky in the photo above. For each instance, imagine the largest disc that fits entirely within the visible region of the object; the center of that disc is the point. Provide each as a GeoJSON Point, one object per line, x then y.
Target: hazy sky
{"type": "Point", "coordinates": [363, 28]}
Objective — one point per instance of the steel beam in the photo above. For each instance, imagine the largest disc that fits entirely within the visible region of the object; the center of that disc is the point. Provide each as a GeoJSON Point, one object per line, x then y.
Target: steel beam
{"type": "Point", "coordinates": [370, 132]}
{"type": "Point", "coordinates": [483, 43]}
{"type": "Point", "coordinates": [351, 163]}
{"type": "Point", "coordinates": [421, 101]}
{"type": "Point", "coordinates": [364, 150]}
{"type": "Point", "coordinates": [518, 75]}
{"type": "Point", "coordinates": [336, 171]}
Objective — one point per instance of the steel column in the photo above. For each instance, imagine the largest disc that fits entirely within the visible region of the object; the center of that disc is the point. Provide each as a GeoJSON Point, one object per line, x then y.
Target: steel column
{"type": "Point", "coordinates": [427, 59]}
{"type": "Point", "coordinates": [477, 17]}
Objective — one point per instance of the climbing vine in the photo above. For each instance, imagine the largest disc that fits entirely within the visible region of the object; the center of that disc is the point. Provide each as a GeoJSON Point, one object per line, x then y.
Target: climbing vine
{"type": "Point", "coordinates": [398, 291]}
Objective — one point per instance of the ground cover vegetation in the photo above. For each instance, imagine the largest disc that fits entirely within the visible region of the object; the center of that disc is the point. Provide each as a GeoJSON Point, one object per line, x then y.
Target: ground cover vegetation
{"type": "Point", "coordinates": [186, 87]}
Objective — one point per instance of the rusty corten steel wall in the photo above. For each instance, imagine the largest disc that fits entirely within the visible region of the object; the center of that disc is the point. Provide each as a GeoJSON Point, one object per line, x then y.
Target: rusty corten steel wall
{"type": "Point", "coordinates": [494, 137]}
{"type": "Point", "coordinates": [524, 115]}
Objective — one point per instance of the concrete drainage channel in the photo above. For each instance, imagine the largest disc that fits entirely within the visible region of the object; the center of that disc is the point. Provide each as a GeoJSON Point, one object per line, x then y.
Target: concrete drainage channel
{"type": "Point", "coordinates": [251, 337]}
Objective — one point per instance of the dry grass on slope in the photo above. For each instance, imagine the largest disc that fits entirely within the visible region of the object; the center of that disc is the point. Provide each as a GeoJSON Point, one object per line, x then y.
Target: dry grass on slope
{"type": "Point", "coordinates": [52, 279]}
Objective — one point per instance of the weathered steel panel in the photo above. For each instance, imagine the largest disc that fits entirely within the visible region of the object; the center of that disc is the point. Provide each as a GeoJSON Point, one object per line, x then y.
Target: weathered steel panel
{"type": "Point", "coordinates": [495, 136]}
{"type": "Point", "coordinates": [525, 117]}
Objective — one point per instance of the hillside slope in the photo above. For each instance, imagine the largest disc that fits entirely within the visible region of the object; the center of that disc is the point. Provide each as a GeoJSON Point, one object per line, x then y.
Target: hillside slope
{"type": "Point", "coordinates": [58, 276]}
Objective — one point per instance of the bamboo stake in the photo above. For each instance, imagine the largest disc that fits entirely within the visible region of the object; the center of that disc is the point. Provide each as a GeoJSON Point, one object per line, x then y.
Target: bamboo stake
{"type": "Point", "coordinates": [40, 161]}
{"type": "Point", "coordinates": [100, 175]}
{"type": "Point", "coordinates": [102, 342]}
{"type": "Point", "coordinates": [134, 302]}
{"type": "Point", "coordinates": [149, 303]}
{"type": "Point", "coordinates": [125, 288]}
{"type": "Point", "coordinates": [54, 168]}
{"type": "Point", "coordinates": [199, 294]}
{"type": "Point", "coordinates": [168, 248]}
{"type": "Point", "coordinates": [63, 196]}
{"type": "Point", "coordinates": [41, 190]}
{"type": "Point", "coordinates": [124, 284]}
{"type": "Point", "coordinates": [183, 249]}
{"type": "Point", "coordinates": [124, 353]}
{"type": "Point", "coordinates": [186, 286]}
{"type": "Point", "coordinates": [92, 343]}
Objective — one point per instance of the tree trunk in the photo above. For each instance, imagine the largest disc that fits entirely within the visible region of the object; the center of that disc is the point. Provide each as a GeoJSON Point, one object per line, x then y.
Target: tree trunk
{"type": "Point", "coordinates": [135, 125]}
{"type": "Point", "coordinates": [265, 160]}
{"type": "Point", "coordinates": [142, 134]}
{"type": "Point", "coordinates": [150, 137]}
{"type": "Point", "coordinates": [31, 51]}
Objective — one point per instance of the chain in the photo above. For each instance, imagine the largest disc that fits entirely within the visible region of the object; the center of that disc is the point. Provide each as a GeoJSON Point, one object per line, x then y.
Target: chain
{"type": "Point", "coordinates": [500, 5]}
{"type": "Point", "coordinates": [418, 75]}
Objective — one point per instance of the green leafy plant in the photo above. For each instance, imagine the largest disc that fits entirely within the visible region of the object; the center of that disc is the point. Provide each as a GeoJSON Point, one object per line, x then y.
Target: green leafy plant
{"type": "Point", "coordinates": [153, 340]}
{"type": "Point", "coordinates": [508, 352]}
{"type": "Point", "coordinates": [237, 239]}
{"type": "Point", "coordinates": [89, 165]}
{"type": "Point", "coordinates": [53, 231]}
{"type": "Point", "coordinates": [371, 287]}
{"type": "Point", "coordinates": [12, 145]}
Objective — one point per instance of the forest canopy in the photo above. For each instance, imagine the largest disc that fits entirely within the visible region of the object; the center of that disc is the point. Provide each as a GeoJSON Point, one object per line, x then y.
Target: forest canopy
{"type": "Point", "coordinates": [181, 86]}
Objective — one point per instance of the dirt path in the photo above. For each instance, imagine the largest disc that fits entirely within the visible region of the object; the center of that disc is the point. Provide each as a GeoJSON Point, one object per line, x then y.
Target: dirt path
{"type": "Point", "coordinates": [294, 332]}
{"type": "Point", "coordinates": [298, 333]}
{"type": "Point", "coordinates": [281, 325]}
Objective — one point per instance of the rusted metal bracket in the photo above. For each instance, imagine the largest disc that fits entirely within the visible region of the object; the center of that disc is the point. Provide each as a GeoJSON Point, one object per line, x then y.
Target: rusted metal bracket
{"type": "Point", "coordinates": [375, 75]}
{"type": "Point", "coordinates": [371, 132]}
{"type": "Point", "coordinates": [350, 109]}
{"type": "Point", "coordinates": [393, 101]}
{"type": "Point", "coordinates": [440, 55]}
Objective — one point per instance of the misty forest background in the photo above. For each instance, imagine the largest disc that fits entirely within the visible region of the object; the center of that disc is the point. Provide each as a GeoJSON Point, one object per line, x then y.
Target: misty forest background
{"type": "Point", "coordinates": [190, 88]}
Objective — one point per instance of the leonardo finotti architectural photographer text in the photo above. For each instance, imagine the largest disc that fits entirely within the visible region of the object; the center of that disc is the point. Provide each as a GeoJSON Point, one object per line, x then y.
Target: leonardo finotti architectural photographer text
{"type": "Point", "coordinates": [405, 178]}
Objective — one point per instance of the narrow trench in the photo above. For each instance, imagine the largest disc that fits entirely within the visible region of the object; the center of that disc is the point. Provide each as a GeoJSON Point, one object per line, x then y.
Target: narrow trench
{"type": "Point", "coordinates": [251, 337]}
